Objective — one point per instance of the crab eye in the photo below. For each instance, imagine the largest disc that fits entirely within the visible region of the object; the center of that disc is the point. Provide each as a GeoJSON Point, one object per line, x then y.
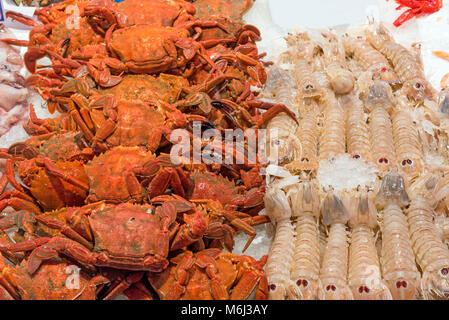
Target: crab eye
{"type": "Point", "coordinates": [444, 271]}
{"type": "Point", "coordinates": [304, 159]}
{"type": "Point", "coordinates": [361, 289]}
{"type": "Point", "coordinates": [356, 156]}
{"type": "Point", "coordinates": [383, 69]}
{"type": "Point", "coordinates": [305, 283]}
{"type": "Point", "coordinates": [417, 85]}
{"type": "Point", "coordinates": [309, 87]}
{"type": "Point", "coordinates": [272, 287]}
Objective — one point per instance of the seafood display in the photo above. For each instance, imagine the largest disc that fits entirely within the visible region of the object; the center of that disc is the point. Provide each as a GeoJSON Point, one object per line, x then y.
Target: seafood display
{"type": "Point", "coordinates": [97, 187]}
{"type": "Point", "coordinates": [385, 237]}
{"type": "Point", "coordinates": [168, 137]}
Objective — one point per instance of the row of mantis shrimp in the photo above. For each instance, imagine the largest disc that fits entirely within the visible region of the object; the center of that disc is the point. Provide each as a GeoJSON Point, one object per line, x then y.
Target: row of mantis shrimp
{"type": "Point", "coordinates": [357, 96]}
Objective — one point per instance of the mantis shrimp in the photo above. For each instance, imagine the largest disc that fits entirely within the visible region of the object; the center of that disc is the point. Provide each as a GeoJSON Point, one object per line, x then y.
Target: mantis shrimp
{"type": "Point", "coordinates": [380, 127]}
{"type": "Point", "coordinates": [305, 266]}
{"type": "Point", "coordinates": [407, 144]}
{"type": "Point", "coordinates": [364, 274]}
{"type": "Point", "coordinates": [341, 79]}
{"type": "Point", "coordinates": [370, 59]}
{"type": "Point", "coordinates": [332, 138]}
{"type": "Point", "coordinates": [357, 133]}
{"type": "Point", "coordinates": [397, 259]}
{"type": "Point", "coordinates": [277, 268]}
{"type": "Point", "coordinates": [334, 267]}
{"type": "Point", "coordinates": [431, 253]}
{"type": "Point", "coordinates": [407, 66]}
{"type": "Point", "coordinates": [281, 129]}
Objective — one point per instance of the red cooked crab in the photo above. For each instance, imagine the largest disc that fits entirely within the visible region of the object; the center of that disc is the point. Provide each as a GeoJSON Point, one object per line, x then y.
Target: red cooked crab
{"type": "Point", "coordinates": [210, 274]}
{"type": "Point", "coordinates": [125, 236]}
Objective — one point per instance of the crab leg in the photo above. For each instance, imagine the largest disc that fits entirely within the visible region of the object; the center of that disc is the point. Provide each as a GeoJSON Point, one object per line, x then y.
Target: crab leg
{"type": "Point", "coordinates": [64, 229]}
{"type": "Point", "coordinates": [249, 280]}
{"type": "Point", "coordinates": [23, 220]}
{"type": "Point", "coordinates": [194, 228]}
{"type": "Point", "coordinates": [19, 204]}
{"type": "Point", "coordinates": [10, 174]}
{"type": "Point", "coordinates": [124, 284]}
{"type": "Point", "coordinates": [52, 169]}
{"type": "Point", "coordinates": [220, 231]}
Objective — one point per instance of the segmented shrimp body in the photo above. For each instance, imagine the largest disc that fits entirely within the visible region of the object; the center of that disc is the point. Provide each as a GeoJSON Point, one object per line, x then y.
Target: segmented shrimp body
{"type": "Point", "coordinates": [364, 274]}
{"type": "Point", "coordinates": [430, 251]}
{"type": "Point", "coordinates": [307, 136]}
{"type": "Point", "coordinates": [277, 268]}
{"type": "Point", "coordinates": [280, 87]}
{"type": "Point", "coordinates": [369, 58]}
{"type": "Point", "coordinates": [407, 66]}
{"type": "Point", "coordinates": [305, 81]}
{"type": "Point", "coordinates": [381, 133]}
{"type": "Point", "coordinates": [442, 224]}
{"type": "Point", "coordinates": [306, 257]}
{"type": "Point", "coordinates": [341, 79]}
{"type": "Point", "coordinates": [397, 258]}
{"type": "Point", "coordinates": [282, 146]}
{"type": "Point", "coordinates": [334, 266]}
{"type": "Point", "coordinates": [407, 144]}
{"type": "Point", "coordinates": [357, 132]}
{"type": "Point", "coordinates": [332, 137]}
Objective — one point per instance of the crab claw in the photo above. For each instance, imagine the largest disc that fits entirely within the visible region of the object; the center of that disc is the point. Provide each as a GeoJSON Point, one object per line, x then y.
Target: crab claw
{"type": "Point", "coordinates": [31, 56]}
{"type": "Point", "coordinates": [22, 18]}
{"type": "Point", "coordinates": [194, 228]}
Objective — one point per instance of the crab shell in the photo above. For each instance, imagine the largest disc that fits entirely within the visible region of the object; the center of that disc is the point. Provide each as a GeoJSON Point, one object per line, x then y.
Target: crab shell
{"type": "Point", "coordinates": [155, 12]}
{"type": "Point", "coordinates": [51, 282]}
{"type": "Point", "coordinates": [210, 186]}
{"type": "Point", "coordinates": [61, 15]}
{"type": "Point", "coordinates": [51, 191]}
{"type": "Point", "coordinates": [233, 9]}
{"type": "Point", "coordinates": [147, 48]}
{"type": "Point", "coordinates": [107, 173]}
{"type": "Point", "coordinates": [128, 236]}
{"type": "Point", "coordinates": [143, 87]}
{"type": "Point", "coordinates": [64, 147]}
{"type": "Point", "coordinates": [136, 124]}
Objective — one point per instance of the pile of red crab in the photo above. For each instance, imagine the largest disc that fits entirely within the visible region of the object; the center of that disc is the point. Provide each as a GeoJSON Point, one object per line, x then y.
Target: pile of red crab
{"type": "Point", "coordinates": [96, 188]}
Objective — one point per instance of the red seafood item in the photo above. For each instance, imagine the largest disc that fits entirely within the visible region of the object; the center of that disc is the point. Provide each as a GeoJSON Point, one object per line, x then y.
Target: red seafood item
{"type": "Point", "coordinates": [416, 8]}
